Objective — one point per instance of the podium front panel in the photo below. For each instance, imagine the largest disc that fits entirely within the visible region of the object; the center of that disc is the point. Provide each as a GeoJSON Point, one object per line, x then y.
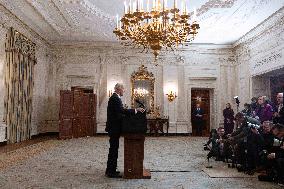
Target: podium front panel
{"type": "Point", "coordinates": [133, 156]}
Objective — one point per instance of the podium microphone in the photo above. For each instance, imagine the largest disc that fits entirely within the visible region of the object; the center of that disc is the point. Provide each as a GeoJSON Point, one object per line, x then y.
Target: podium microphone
{"type": "Point", "coordinates": [141, 105]}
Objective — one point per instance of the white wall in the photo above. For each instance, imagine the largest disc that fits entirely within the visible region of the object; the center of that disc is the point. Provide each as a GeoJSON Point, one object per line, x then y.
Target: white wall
{"type": "Point", "coordinates": [103, 65]}
{"type": "Point", "coordinates": [225, 70]}
{"type": "Point", "coordinates": [257, 53]}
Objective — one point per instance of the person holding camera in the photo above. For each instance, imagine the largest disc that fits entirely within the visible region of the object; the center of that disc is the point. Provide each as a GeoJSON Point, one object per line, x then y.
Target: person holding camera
{"type": "Point", "coordinates": [247, 110]}
{"type": "Point", "coordinates": [247, 142]}
{"type": "Point", "coordinates": [241, 129]}
{"type": "Point", "coordinates": [253, 104]}
{"type": "Point", "coordinates": [217, 148]}
{"type": "Point", "coordinates": [266, 136]}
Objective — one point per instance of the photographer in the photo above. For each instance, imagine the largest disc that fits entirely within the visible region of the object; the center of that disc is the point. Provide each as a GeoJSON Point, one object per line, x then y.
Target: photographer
{"type": "Point", "coordinates": [247, 143]}
{"type": "Point", "coordinates": [253, 105]}
{"type": "Point", "coordinates": [212, 138]}
{"type": "Point", "coordinates": [217, 149]}
{"type": "Point", "coordinates": [241, 129]}
{"type": "Point", "coordinates": [247, 110]}
{"type": "Point", "coordinates": [275, 171]}
{"type": "Point", "coordinates": [266, 136]}
{"type": "Point", "coordinates": [234, 145]}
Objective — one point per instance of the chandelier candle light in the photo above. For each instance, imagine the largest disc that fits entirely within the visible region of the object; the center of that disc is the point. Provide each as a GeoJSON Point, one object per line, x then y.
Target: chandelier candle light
{"type": "Point", "coordinates": [156, 28]}
{"type": "Point", "coordinates": [140, 92]}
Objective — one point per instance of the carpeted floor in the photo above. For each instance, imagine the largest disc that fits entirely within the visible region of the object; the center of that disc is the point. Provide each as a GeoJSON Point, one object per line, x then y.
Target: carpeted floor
{"type": "Point", "coordinates": [175, 162]}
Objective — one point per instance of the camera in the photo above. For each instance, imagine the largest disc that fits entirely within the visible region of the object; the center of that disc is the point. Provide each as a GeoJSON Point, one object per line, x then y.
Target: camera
{"type": "Point", "coordinates": [237, 100]}
{"type": "Point", "coordinates": [206, 148]}
{"type": "Point", "coordinates": [263, 156]}
{"type": "Point", "coordinates": [276, 142]}
{"type": "Point", "coordinates": [253, 123]}
{"type": "Point", "coordinates": [253, 126]}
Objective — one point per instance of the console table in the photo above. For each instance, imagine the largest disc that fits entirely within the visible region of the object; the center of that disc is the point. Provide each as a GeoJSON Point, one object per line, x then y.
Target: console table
{"type": "Point", "coordinates": [157, 124]}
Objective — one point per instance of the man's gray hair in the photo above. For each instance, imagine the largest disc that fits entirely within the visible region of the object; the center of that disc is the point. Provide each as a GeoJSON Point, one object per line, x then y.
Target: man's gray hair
{"type": "Point", "coordinates": [118, 86]}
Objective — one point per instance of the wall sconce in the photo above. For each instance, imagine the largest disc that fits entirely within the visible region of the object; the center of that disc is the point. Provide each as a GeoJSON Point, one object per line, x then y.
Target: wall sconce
{"type": "Point", "coordinates": [109, 93]}
{"type": "Point", "coordinates": [171, 96]}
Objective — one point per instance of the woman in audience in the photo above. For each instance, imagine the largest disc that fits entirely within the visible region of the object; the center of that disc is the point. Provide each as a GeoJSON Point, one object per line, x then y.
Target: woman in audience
{"type": "Point", "coordinates": [228, 114]}
{"type": "Point", "coordinates": [264, 111]}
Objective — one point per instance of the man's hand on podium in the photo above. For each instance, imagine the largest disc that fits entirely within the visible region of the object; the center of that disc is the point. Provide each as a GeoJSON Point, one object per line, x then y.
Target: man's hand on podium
{"type": "Point", "coordinates": [140, 110]}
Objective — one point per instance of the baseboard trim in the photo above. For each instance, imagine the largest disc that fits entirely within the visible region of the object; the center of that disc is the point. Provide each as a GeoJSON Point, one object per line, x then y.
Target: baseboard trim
{"type": "Point", "coordinates": [153, 135]}
{"type": "Point", "coordinates": [47, 134]}
{"type": "Point", "coordinates": [3, 143]}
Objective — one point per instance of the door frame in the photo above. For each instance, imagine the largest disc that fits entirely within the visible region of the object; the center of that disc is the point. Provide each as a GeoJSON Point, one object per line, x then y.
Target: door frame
{"type": "Point", "coordinates": [213, 105]}
{"type": "Point", "coordinates": [209, 111]}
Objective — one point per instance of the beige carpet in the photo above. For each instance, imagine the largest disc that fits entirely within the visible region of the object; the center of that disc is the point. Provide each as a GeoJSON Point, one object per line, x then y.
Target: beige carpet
{"type": "Point", "coordinates": [221, 170]}
{"type": "Point", "coordinates": [20, 155]}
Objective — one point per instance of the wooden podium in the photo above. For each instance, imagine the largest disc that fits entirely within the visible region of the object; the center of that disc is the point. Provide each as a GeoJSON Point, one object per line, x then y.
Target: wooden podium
{"type": "Point", "coordinates": [134, 156]}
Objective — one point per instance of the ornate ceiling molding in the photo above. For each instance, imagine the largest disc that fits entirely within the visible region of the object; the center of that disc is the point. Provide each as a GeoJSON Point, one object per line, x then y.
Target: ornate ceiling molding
{"type": "Point", "coordinates": [97, 12]}
{"type": "Point", "coordinates": [214, 4]}
{"type": "Point", "coordinates": [56, 20]}
{"type": "Point", "coordinates": [274, 21]}
{"type": "Point", "coordinates": [76, 21]}
{"type": "Point", "coordinates": [8, 18]}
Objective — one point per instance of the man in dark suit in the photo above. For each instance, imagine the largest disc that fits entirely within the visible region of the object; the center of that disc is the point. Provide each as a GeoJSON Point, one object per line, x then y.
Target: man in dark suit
{"type": "Point", "coordinates": [198, 121]}
{"type": "Point", "coordinates": [279, 110]}
{"type": "Point", "coordinates": [115, 113]}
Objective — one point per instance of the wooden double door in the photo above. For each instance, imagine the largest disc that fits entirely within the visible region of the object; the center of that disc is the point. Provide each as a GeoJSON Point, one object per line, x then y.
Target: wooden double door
{"type": "Point", "coordinates": [77, 115]}
{"type": "Point", "coordinates": [201, 97]}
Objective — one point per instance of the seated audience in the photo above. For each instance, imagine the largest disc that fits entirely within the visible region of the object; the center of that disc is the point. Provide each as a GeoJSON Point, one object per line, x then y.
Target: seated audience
{"type": "Point", "coordinates": [255, 145]}
{"type": "Point", "coordinates": [275, 158]}
{"type": "Point", "coordinates": [217, 147]}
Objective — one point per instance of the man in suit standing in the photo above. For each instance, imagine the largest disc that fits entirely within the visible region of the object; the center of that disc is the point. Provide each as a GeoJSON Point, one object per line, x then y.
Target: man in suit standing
{"type": "Point", "coordinates": [279, 109]}
{"type": "Point", "coordinates": [115, 113]}
{"type": "Point", "coordinates": [198, 121]}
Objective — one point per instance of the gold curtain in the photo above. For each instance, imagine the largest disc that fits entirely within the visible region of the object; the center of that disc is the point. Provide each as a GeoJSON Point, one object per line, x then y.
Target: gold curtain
{"type": "Point", "coordinates": [19, 68]}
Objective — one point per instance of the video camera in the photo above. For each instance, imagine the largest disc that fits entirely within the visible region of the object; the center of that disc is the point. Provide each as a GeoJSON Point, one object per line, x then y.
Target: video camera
{"type": "Point", "coordinates": [276, 142]}
{"type": "Point", "coordinates": [237, 100]}
{"type": "Point", "coordinates": [253, 126]}
{"type": "Point", "coordinates": [253, 123]}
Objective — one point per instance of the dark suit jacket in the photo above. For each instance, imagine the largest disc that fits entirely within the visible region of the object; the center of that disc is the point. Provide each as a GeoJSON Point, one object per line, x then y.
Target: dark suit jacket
{"type": "Point", "coordinates": [195, 112]}
{"type": "Point", "coordinates": [115, 113]}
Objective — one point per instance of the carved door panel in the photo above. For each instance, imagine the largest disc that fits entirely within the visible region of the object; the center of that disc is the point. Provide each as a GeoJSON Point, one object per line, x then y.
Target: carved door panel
{"type": "Point", "coordinates": [77, 114]}
{"type": "Point", "coordinates": [202, 97]}
{"type": "Point", "coordinates": [84, 114]}
{"type": "Point", "coordinates": [65, 114]}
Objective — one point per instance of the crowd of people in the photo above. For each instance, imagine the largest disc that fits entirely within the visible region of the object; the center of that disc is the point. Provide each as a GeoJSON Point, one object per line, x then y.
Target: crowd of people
{"type": "Point", "coordinates": [252, 140]}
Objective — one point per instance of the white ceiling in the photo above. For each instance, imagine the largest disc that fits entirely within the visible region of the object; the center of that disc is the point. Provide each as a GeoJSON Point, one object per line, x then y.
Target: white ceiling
{"type": "Point", "coordinates": [221, 21]}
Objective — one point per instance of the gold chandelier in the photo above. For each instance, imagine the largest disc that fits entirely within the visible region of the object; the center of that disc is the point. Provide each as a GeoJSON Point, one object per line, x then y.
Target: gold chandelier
{"type": "Point", "coordinates": [140, 92]}
{"type": "Point", "coordinates": [156, 28]}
